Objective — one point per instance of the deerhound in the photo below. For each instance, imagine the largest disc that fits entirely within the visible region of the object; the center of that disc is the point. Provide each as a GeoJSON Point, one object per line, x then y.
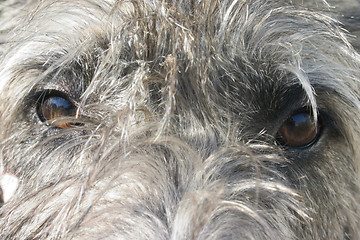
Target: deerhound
{"type": "Point", "coordinates": [178, 119]}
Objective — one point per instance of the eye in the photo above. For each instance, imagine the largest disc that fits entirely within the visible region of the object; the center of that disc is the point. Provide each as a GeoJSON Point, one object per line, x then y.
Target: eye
{"type": "Point", "coordinates": [53, 106]}
{"type": "Point", "coordinates": [299, 130]}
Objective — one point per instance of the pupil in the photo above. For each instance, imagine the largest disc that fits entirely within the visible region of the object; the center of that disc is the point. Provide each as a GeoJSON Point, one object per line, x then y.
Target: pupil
{"type": "Point", "coordinates": [299, 130]}
{"type": "Point", "coordinates": [60, 104]}
{"type": "Point", "coordinates": [301, 127]}
{"type": "Point", "coordinates": [55, 107]}
{"type": "Point", "coordinates": [300, 119]}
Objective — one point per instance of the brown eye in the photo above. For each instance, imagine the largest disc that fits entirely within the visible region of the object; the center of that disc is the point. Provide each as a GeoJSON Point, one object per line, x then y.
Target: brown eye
{"type": "Point", "coordinates": [299, 130]}
{"type": "Point", "coordinates": [54, 107]}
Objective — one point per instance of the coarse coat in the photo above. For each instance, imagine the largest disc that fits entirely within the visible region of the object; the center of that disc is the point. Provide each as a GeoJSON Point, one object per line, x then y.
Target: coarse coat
{"type": "Point", "coordinates": [176, 130]}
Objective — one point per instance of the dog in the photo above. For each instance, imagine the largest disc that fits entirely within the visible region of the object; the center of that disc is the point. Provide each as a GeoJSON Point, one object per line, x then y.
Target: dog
{"type": "Point", "coordinates": [216, 119]}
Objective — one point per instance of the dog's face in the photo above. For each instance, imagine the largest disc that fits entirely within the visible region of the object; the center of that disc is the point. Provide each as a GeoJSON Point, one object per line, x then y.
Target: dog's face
{"type": "Point", "coordinates": [179, 120]}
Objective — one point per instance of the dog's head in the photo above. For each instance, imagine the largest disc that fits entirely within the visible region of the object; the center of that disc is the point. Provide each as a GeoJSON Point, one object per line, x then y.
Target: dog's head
{"type": "Point", "coordinates": [179, 120]}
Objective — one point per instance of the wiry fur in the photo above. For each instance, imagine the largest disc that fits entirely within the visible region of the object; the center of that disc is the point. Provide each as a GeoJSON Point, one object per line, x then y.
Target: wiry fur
{"type": "Point", "coordinates": [179, 103]}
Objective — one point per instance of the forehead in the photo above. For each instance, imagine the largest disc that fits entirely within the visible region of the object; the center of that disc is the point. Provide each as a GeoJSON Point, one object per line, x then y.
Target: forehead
{"type": "Point", "coordinates": [230, 46]}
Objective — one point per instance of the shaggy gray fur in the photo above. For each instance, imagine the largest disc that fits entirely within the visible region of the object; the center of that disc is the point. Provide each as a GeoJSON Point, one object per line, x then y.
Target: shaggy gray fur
{"type": "Point", "coordinates": [179, 104]}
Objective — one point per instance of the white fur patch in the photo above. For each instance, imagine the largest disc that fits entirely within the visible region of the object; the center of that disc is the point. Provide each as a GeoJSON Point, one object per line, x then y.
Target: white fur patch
{"type": "Point", "coordinates": [8, 184]}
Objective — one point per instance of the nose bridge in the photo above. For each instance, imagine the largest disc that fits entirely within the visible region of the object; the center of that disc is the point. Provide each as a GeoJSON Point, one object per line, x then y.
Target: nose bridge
{"type": "Point", "coordinates": [238, 188]}
{"type": "Point", "coordinates": [237, 162]}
